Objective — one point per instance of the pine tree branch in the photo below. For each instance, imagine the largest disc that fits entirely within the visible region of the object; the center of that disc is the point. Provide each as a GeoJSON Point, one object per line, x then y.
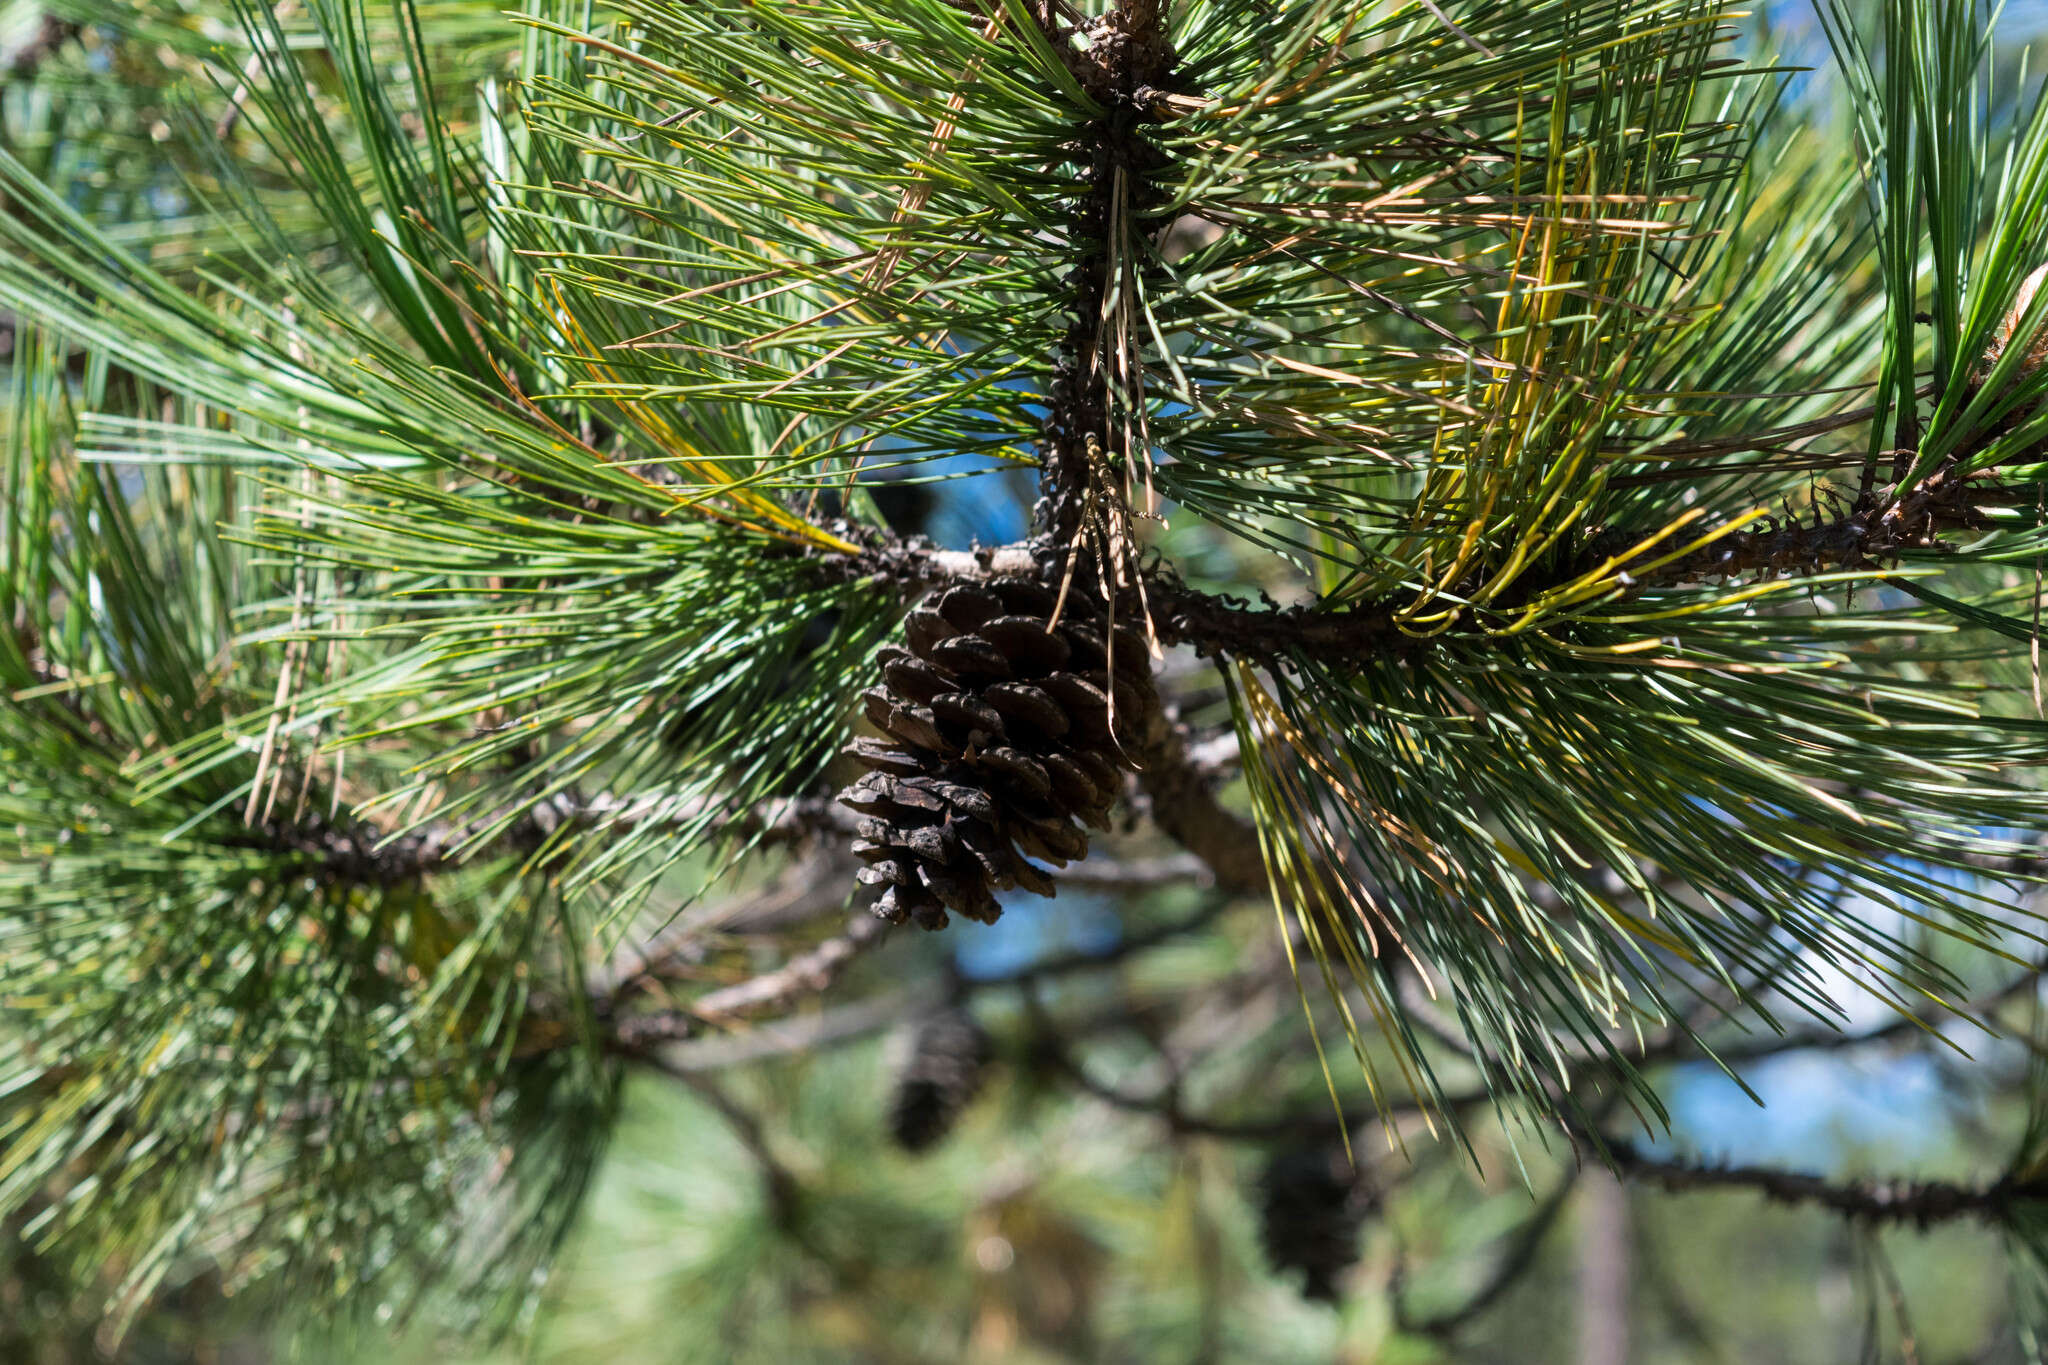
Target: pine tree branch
{"type": "Point", "coordinates": [440, 844]}
{"type": "Point", "coordinates": [1865, 536]}
{"type": "Point", "coordinates": [1097, 384]}
{"type": "Point", "coordinates": [1137, 874]}
{"type": "Point", "coordinates": [350, 852]}
{"type": "Point", "coordinates": [778, 820]}
{"type": "Point", "coordinates": [804, 1033]}
{"type": "Point", "coordinates": [1516, 1261]}
{"type": "Point", "coordinates": [1232, 627]}
{"type": "Point", "coordinates": [809, 973]}
{"type": "Point", "coordinates": [1184, 806]}
{"type": "Point", "coordinates": [810, 886]}
{"type": "Point", "coordinates": [1210, 624]}
{"type": "Point", "coordinates": [1918, 1203]}
{"type": "Point", "coordinates": [780, 1037]}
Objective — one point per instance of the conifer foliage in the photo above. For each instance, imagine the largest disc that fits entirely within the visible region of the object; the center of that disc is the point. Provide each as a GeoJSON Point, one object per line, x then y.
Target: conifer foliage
{"type": "Point", "coordinates": [1598, 528]}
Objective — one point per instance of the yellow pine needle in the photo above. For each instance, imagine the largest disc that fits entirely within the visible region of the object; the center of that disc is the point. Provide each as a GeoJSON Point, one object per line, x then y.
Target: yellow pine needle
{"type": "Point", "coordinates": [1310, 879]}
{"type": "Point", "coordinates": [1286, 874]}
{"type": "Point", "coordinates": [770, 517]}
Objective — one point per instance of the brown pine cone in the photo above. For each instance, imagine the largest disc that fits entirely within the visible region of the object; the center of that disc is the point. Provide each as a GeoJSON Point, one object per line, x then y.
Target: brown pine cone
{"type": "Point", "coordinates": [998, 747]}
{"type": "Point", "coordinates": [1311, 1206]}
{"type": "Point", "coordinates": [2008, 331]}
{"type": "Point", "coordinates": [2033, 355]}
{"type": "Point", "coordinates": [948, 1055]}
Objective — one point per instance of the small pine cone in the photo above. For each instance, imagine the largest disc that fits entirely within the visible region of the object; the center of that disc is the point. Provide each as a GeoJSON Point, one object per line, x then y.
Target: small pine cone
{"type": "Point", "coordinates": [998, 748]}
{"type": "Point", "coordinates": [1311, 1206]}
{"type": "Point", "coordinates": [2007, 332]}
{"type": "Point", "coordinates": [948, 1054]}
{"type": "Point", "coordinates": [2033, 353]}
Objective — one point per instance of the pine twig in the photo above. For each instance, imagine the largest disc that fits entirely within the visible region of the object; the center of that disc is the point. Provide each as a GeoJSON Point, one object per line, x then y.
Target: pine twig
{"type": "Point", "coordinates": [1912, 520]}
{"type": "Point", "coordinates": [810, 886]}
{"type": "Point", "coordinates": [778, 820]}
{"type": "Point", "coordinates": [807, 1033]}
{"type": "Point", "coordinates": [816, 970]}
{"type": "Point", "coordinates": [780, 1183]}
{"type": "Point", "coordinates": [1514, 1262]}
{"type": "Point", "coordinates": [1138, 874]}
{"type": "Point", "coordinates": [1903, 521]}
{"type": "Point", "coordinates": [1185, 808]}
{"type": "Point", "coordinates": [806, 974]}
{"type": "Point", "coordinates": [1881, 1202]}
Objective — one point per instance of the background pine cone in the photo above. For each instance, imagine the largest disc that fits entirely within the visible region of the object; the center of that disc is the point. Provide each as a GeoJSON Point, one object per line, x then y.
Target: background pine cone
{"type": "Point", "coordinates": [998, 747]}
{"type": "Point", "coordinates": [948, 1054]}
{"type": "Point", "coordinates": [1312, 1204]}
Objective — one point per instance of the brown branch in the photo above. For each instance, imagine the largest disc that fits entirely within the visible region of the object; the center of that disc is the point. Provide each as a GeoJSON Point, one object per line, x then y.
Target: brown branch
{"type": "Point", "coordinates": [1230, 626]}
{"type": "Point", "coordinates": [809, 973]}
{"type": "Point", "coordinates": [778, 820]}
{"type": "Point", "coordinates": [782, 1037]}
{"type": "Point", "coordinates": [1918, 1203]}
{"type": "Point", "coordinates": [814, 885]}
{"type": "Point", "coordinates": [1138, 874]}
{"type": "Point", "coordinates": [809, 887]}
{"type": "Point", "coordinates": [806, 974]}
{"type": "Point", "coordinates": [1179, 615]}
{"type": "Point", "coordinates": [849, 1022]}
{"type": "Point", "coordinates": [441, 844]}
{"type": "Point", "coordinates": [1184, 806]}
{"type": "Point", "coordinates": [342, 851]}
{"type": "Point", "coordinates": [1096, 385]}
{"type": "Point", "coordinates": [1864, 537]}
{"type": "Point", "coordinates": [778, 1181]}
{"type": "Point", "coordinates": [1514, 1262]}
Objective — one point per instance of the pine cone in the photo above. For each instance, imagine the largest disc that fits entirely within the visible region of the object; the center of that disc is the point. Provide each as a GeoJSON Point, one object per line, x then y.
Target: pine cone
{"type": "Point", "coordinates": [2033, 354]}
{"type": "Point", "coordinates": [1311, 1206]}
{"type": "Point", "coordinates": [948, 1053]}
{"type": "Point", "coordinates": [2008, 331]}
{"type": "Point", "coordinates": [998, 748]}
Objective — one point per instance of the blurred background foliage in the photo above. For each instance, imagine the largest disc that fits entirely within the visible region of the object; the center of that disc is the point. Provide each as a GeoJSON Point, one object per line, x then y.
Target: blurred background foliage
{"type": "Point", "coordinates": [757, 1211]}
{"type": "Point", "coordinates": [1048, 1228]}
